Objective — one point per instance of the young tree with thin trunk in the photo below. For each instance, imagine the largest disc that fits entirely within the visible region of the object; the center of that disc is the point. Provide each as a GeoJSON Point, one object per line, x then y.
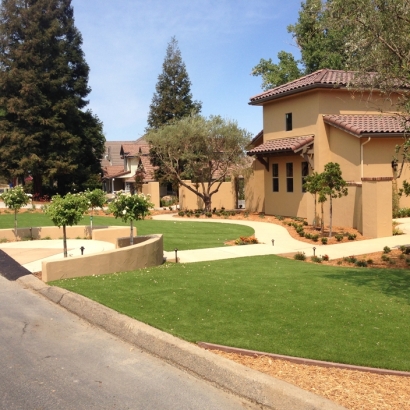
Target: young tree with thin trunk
{"type": "Point", "coordinates": [334, 186]}
{"type": "Point", "coordinates": [15, 199]}
{"type": "Point", "coordinates": [67, 211]}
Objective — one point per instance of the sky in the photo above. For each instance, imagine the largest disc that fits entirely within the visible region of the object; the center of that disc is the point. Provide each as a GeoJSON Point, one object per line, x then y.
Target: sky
{"type": "Point", "coordinates": [125, 41]}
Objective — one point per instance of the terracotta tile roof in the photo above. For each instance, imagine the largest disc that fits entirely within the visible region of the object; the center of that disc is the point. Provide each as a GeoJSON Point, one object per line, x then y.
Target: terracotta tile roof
{"type": "Point", "coordinates": [324, 78]}
{"type": "Point", "coordinates": [257, 138]}
{"type": "Point", "coordinates": [114, 171]}
{"type": "Point", "coordinates": [364, 124]}
{"type": "Point", "coordinates": [132, 150]}
{"type": "Point", "coordinates": [282, 145]}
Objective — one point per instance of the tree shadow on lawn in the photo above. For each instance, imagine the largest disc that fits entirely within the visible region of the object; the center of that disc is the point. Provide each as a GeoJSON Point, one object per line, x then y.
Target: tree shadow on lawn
{"type": "Point", "coordinates": [391, 282]}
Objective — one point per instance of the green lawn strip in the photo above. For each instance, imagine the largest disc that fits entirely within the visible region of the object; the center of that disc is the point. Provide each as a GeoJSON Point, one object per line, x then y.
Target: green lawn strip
{"type": "Point", "coordinates": [180, 235]}
{"type": "Point", "coordinates": [271, 304]}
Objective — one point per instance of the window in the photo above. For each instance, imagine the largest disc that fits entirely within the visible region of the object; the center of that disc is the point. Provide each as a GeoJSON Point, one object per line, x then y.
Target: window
{"type": "Point", "coordinates": [305, 173]}
{"type": "Point", "coordinates": [289, 177]}
{"type": "Point", "coordinates": [275, 177]}
{"type": "Point", "coordinates": [288, 117]}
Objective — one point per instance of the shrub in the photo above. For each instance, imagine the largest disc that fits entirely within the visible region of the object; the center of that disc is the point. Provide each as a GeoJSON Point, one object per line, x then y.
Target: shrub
{"type": "Point", "coordinates": [261, 214]}
{"type": "Point", "coordinates": [181, 213]}
{"type": "Point", "coordinates": [279, 217]}
{"type": "Point", "coordinates": [3, 240]}
{"type": "Point", "coordinates": [246, 240]}
{"type": "Point", "coordinates": [197, 214]}
{"type": "Point", "coordinates": [386, 249]}
{"type": "Point", "coordinates": [208, 214]}
{"type": "Point", "coordinates": [316, 259]}
{"type": "Point", "coordinates": [324, 241]}
{"type": "Point", "coordinates": [308, 235]}
{"type": "Point", "coordinates": [305, 223]}
{"type": "Point", "coordinates": [350, 259]}
{"type": "Point", "coordinates": [351, 236]}
{"type": "Point", "coordinates": [301, 233]}
{"type": "Point", "coordinates": [315, 237]}
{"type": "Point", "coordinates": [325, 257]}
{"type": "Point", "coordinates": [385, 258]}
{"type": "Point", "coordinates": [246, 214]}
{"type": "Point", "coordinates": [361, 264]}
{"type": "Point", "coordinates": [401, 256]}
{"type": "Point", "coordinates": [369, 261]}
{"type": "Point", "coordinates": [339, 237]}
{"type": "Point", "coordinates": [300, 256]}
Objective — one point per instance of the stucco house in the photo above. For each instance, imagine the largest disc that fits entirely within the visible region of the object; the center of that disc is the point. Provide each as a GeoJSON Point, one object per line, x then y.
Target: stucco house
{"type": "Point", "coordinates": [318, 119]}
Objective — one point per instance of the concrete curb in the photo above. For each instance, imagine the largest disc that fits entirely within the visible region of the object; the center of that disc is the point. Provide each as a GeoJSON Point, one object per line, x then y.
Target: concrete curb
{"type": "Point", "coordinates": [252, 385]}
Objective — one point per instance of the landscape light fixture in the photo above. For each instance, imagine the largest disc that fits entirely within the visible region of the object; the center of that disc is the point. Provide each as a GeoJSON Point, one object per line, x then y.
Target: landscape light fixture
{"type": "Point", "coordinates": [273, 242]}
{"type": "Point", "coordinates": [176, 255]}
{"type": "Point", "coordinates": [314, 250]}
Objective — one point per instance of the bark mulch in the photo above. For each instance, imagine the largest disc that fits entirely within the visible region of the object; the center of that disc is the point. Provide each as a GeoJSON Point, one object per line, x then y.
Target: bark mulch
{"type": "Point", "coordinates": [352, 389]}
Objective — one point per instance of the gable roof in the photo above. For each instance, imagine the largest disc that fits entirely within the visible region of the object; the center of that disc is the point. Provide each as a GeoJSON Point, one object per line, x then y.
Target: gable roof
{"type": "Point", "coordinates": [132, 150]}
{"type": "Point", "coordinates": [113, 171]}
{"type": "Point", "coordinates": [278, 146]}
{"type": "Point", "coordinates": [369, 124]}
{"type": "Point", "coordinates": [112, 151]}
{"type": "Point", "coordinates": [324, 78]}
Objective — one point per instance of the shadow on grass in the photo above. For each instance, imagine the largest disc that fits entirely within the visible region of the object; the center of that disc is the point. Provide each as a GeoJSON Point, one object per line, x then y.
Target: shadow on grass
{"type": "Point", "coordinates": [391, 282]}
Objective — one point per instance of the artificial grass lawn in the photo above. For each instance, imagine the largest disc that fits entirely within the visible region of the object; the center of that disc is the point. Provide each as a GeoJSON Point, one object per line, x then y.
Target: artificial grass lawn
{"type": "Point", "coordinates": [180, 235]}
{"type": "Point", "coordinates": [267, 303]}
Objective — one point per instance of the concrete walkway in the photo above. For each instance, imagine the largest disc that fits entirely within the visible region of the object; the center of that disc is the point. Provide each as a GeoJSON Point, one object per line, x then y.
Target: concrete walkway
{"type": "Point", "coordinates": [283, 242]}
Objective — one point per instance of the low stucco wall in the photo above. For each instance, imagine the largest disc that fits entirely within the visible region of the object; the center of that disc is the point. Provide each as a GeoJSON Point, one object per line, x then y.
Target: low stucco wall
{"type": "Point", "coordinates": [100, 233]}
{"type": "Point", "coordinates": [142, 255]}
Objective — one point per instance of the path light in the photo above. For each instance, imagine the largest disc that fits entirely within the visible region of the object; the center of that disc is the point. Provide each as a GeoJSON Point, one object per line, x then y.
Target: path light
{"type": "Point", "coordinates": [82, 250]}
{"type": "Point", "coordinates": [273, 242]}
{"type": "Point", "coordinates": [314, 250]}
{"type": "Point", "coordinates": [176, 255]}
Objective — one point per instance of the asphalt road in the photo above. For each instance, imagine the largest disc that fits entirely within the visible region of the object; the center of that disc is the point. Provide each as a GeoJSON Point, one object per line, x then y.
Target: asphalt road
{"type": "Point", "coordinates": [51, 359]}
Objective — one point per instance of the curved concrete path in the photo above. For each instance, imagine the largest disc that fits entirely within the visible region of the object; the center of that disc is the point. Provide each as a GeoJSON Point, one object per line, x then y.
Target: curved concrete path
{"type": "Point", "coordinates": [283, 242]}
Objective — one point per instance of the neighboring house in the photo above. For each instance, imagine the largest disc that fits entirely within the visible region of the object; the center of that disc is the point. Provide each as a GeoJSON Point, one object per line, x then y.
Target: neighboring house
{"type": "Point", "coordinates": [315, 120]}
{"type": "Point", "coordinates": [133, 157]}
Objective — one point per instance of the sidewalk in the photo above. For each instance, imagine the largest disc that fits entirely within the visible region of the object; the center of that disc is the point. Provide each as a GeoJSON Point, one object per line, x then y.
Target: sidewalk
{"type": "Point", "coordinates": [283, 243]}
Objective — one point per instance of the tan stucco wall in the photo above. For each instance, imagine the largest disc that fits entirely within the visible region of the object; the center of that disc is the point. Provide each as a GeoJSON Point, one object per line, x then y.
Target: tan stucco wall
{"type": "Point", "coordinates": [282, 202]}
{"type": "Point", "coordinates": [100, 233]}
{"type": "Point", "coordinates": [255, 189]}
{"type": "Point", "coordinates": [152, 189]}
{"type": "Point", "coordinates": [224, 198]}
{"type": "Point", "coordinates": [142, 255]}
{"type": "Point", "coordinates": [377, 209]}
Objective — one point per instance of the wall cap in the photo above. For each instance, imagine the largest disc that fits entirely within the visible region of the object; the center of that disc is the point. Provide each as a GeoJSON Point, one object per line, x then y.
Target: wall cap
{"type": "Point", "coordinates": [378, 179]}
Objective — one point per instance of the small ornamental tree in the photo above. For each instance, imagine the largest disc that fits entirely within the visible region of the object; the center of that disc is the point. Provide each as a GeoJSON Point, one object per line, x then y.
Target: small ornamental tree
{"type": "Point", "coordinates": [312, 185]}
{"type": "Point", "coordinates": [15, 199]}
{"type": "Point", "coordinates": [96, 199]}
{"type": "Point", "coordinates": [333, 186]}
{"type": "Point", "coordinates": [67, 211]}
{"type": "Point", "coordinates": [131, 208]}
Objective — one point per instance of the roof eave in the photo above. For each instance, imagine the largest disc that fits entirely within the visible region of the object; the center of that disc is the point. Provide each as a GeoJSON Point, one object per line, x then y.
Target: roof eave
{"type": "Point", "coordinates": [294, 91]}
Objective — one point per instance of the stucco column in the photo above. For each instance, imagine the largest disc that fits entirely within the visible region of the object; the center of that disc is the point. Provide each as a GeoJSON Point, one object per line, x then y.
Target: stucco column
{"type": "Point", "coordinates": [377, 206]}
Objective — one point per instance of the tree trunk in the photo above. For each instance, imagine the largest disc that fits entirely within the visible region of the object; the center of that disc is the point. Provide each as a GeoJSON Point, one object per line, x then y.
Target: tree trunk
{"type": "Point", "coordinates": [131, 233]}
{"type": "Point", "coordinates": [330, 216]}
{"type": "Point", "coordinates": [208, 203]}
{"type": "Point", "coordinates": [65, 241]}
{"type": "Point", "coordinates": [315, 220]}
{"type": "Point", "coordinates": [37, 185]}
{"type": "Point", "coordinates": [15, 223]}
{"type": "Point", "coordinates": [322, 223]}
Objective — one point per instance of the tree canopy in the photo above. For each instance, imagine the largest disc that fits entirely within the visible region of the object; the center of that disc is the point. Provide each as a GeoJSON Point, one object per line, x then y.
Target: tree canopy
{"type": "Point", "coordinates": [172, 99]}
{"type": "Point", "coordinates": [321, 46]}
{"type": "Point", "coordinates": [200, 149]}
{"type": "Point", "coordinates": [45, 130]}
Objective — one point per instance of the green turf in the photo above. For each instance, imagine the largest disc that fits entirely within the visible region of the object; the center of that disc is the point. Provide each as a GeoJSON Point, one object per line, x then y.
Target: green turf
{"type": "Point", "coordinates": [271, 304]}
{"type": "Point", "coordinates": [180, 235]}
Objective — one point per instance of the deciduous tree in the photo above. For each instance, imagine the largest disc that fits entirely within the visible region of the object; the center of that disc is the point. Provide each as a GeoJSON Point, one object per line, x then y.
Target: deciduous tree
{"type": "Point", "coordinates": [200, 149]}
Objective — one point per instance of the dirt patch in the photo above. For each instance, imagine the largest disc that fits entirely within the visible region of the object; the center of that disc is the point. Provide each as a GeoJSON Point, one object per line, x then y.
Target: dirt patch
{"type": "Point", "coordinates": [354, 390]}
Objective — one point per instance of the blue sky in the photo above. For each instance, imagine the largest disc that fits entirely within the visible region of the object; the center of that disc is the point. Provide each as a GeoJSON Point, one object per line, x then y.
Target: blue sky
{"type": "Point", "coordinates": [125, 41]}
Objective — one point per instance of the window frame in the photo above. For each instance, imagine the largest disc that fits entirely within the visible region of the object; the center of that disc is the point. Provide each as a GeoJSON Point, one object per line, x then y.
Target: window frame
{"type": "Point", "coordinates": [288, 121]}
{"type": "Point", "coordinates": [289, 177]}
{"type": "Point", "coordinates": [275, 178]}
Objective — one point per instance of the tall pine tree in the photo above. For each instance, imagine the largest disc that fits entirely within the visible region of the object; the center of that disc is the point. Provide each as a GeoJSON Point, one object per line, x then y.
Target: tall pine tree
{"type": "Point", "coordinates": [45, 130]}
{"type": "Point", "coordinates": [173, 98]}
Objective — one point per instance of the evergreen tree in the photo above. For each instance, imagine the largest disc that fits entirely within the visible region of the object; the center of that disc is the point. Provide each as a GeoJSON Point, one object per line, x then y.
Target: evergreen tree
{"type": "Point", "coordinates": [173, 98]}
{"type": "Point", "coordinates": [44, 130]}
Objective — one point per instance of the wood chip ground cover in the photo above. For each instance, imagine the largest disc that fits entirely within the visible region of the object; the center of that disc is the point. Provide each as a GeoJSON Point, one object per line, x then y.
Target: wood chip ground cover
{"type": "Point", "coordinates": [354, 390]}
